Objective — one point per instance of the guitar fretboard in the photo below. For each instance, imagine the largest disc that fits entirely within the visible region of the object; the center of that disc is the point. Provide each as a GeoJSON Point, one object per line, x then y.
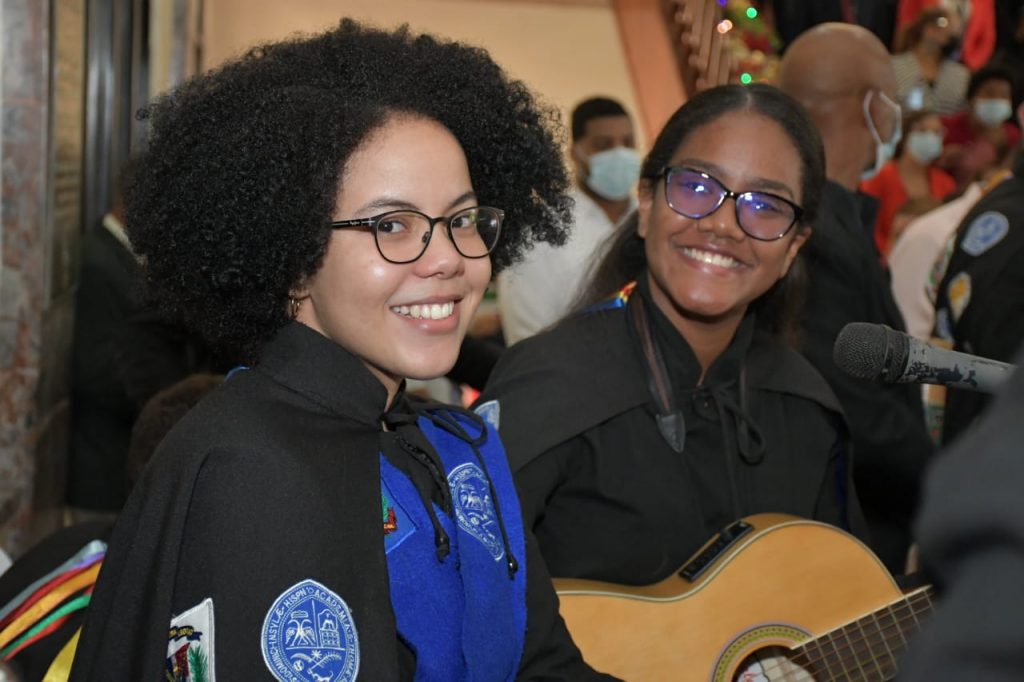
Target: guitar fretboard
{"type": "Point", "coordinates": [867, 649]}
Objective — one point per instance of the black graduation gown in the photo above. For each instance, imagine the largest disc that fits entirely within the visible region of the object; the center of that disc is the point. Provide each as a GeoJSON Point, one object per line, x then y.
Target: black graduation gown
{"type": "Point", "coordinates": [243, 499]}
{"type": "Point", "coordinates": [604, 493]}
{"type": "Point", "coordinates": [273, 479]}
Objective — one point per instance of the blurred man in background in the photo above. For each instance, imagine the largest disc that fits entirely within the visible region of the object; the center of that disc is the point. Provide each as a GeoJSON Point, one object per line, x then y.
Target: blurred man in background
{"type": "Point", "coordinates": [843, 75]}
{"type": "Point", "coordinates": [541, 289]}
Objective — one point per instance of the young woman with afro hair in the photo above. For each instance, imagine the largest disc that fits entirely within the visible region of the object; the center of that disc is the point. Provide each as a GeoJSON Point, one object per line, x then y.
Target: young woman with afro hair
{"type": "Point", "coordinates": [330, 209]}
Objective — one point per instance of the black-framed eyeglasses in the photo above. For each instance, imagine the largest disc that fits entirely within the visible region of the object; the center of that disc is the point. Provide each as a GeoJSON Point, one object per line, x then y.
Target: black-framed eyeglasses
{"type": "Point", "coordinates": [761, 215]}
{"type": "Point", "coordinates": [403, 236]}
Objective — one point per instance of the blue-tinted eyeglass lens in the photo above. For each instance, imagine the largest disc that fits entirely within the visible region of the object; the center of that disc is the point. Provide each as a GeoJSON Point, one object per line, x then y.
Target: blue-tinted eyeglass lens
{"type": "Point", "coordinates": [764, 216]}
{"type": "Point", "coordinates": [693, 194]}
{"type": "Point", "coordinates": [696, 195]}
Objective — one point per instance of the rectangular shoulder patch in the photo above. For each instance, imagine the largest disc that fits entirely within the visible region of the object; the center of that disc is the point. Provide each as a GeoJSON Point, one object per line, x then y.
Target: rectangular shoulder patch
{"type": "Point", "coordinates": [190, 644]}
{"type": "Point", "coordinates": [397, 524]}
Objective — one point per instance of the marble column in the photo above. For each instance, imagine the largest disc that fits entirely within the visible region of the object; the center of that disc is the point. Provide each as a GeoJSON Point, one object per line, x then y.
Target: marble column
{"type": "Point", "coordinates": [42, 60]}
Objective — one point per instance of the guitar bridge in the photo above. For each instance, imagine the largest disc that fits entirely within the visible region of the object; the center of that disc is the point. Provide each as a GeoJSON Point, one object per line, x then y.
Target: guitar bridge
{"type": "Point", "coordinates": [725, 539]}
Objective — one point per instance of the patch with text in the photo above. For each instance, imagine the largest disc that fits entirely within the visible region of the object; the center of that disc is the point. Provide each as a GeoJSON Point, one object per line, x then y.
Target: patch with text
{"type": "Point", "coordinates": [309, 636]}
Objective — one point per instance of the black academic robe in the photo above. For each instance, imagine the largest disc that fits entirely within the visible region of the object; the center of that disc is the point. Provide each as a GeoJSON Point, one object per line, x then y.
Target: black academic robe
{"type": "Point", "coordinates": [603, 491]}
{"type": "Point", "coordinates": [271, 480]}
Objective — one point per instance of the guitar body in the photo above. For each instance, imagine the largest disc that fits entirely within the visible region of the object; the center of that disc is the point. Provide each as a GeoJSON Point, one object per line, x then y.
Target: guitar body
{"type": "Point", "coordinates": [785, 581]}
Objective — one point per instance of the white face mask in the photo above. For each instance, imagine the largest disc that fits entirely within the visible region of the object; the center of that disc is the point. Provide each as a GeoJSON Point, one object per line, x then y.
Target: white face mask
{"type": "Point", "coordinates": [883, 150]}
{"type": "Point", "coordinates": [924, 145]}
{"type": "Point", "coordinates": [613, 172]}
{"type": "Point", "coordinates": [992, 112]}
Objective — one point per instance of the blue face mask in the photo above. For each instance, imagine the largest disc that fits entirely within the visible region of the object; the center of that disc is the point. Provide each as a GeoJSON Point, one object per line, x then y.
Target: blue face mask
{"type": "Point", "coordinates": [924, 145]}
{"type": "Point", "coordinates": [613, 172]}
{"type": "Point", "coordinates": [883, 150]}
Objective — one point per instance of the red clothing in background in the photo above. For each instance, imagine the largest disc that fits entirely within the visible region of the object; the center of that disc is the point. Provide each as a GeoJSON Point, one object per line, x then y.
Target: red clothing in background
{"type": "Point", "coordinates": [978, 152]}
{"type": "Point", "coordinates": [888, 188]}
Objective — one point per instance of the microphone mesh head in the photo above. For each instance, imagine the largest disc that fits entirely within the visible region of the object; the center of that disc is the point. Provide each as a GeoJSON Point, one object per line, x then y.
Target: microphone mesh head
{"type": "Point", "coordinates": [870, 351]}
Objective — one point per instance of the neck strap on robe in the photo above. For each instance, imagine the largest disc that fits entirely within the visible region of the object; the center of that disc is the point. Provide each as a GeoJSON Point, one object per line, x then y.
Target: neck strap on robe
{"type": "Point", "coordinates": [409, 451]}
{"type": "Point", "coordinates": [749, 444]}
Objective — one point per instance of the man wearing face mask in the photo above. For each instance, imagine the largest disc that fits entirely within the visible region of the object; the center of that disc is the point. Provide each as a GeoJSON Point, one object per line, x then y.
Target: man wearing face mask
{"type": "Point", "coordinates": [976, 137]}
{"type": "Point", "coordinates": [539, 291]}
{"type": "Point", "coordinates": [843, 75]}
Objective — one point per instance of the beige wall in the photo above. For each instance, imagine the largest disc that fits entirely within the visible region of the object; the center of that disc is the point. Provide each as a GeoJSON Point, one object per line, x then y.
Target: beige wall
{"type": "Point", "coordinates": [565, 51]}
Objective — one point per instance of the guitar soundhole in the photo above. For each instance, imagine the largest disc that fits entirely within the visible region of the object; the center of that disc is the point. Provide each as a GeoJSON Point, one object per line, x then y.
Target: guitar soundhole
{"type": "Point", "coordinates": [771, 664]}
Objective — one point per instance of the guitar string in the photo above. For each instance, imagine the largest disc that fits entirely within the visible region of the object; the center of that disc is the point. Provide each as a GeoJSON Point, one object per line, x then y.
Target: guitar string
{"type": "Point", "coordinates": [825, 660]}
{"type": "Point", "coordinates": [909, 603]}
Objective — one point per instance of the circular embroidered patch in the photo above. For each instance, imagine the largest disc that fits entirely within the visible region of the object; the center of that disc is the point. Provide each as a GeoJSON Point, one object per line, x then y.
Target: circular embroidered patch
{"type": "Point", "coordinates": [474, 507]}
{"type": "Point", "coordinates": [309, 636]}
{"type": "Point", "coordinates": [984, 232]}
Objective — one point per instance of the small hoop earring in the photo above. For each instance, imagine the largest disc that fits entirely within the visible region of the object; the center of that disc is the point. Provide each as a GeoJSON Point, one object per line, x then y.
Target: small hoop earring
{"type": "Point", "coordinates": [293, 306]}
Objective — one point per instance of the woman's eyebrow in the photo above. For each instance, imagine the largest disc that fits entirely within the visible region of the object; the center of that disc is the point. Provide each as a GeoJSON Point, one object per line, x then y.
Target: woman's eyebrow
{"type": "Point", "coordinates": [388, 203]}
{"type": "Point", "coordinates": [462, 198]}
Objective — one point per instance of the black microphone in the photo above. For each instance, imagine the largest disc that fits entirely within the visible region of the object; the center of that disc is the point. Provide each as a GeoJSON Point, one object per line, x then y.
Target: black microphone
{"type": "Point", "coordinates": [879, 353]}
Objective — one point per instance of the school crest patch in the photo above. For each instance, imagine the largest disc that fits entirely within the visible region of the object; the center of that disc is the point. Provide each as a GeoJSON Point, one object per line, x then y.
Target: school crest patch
{"type": "Point", "coordinates": [985, 231]}
{"type": "Point", "coordinates": [398, 525]}
{"type": "Point", "coordinates": [490, 412]}
{"type": "Point", "coordinates": [190, 645]}
{"type": "Point", "coordinates": [309, 636]}
{"type": "Point", "coordinates": [474, 508]}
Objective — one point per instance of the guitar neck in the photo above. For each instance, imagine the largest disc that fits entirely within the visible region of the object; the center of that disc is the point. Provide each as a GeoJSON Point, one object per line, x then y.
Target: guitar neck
{"type": "Point", "coordinates": [870, 647]}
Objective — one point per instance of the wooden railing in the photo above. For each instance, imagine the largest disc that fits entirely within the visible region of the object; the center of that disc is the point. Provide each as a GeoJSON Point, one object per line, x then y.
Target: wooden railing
{"type": "Point", "coordinates": [701, 49]}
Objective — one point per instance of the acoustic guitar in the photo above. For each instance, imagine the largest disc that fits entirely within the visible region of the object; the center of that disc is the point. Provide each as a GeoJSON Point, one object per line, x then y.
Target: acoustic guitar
{"type": "Point", "coordinates": [772, 597]}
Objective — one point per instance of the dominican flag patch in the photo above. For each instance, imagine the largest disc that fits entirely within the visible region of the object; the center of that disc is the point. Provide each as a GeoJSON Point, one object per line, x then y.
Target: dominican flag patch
{"type": "Point", "coordinates": [190, 644]}
{"type": "Point", "coordinates": [397, 524]}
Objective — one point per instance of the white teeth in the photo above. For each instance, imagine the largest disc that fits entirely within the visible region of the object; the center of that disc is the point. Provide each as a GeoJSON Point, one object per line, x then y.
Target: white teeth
{"type": "Point", "coordinates": [428, 311]}
{"type": "Point", "coordinates": [711, 258]}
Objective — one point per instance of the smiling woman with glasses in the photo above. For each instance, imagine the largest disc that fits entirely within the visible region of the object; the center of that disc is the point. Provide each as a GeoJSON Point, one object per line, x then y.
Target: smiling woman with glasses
{"type": "Point", "coordinates": [680, 404]}
{"type": "Point", "coordinates": [324, 207]}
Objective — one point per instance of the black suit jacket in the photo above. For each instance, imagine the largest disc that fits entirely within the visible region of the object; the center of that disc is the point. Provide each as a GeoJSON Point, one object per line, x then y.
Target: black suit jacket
{"type": "Point", "coordinates": [102, 411]}
{"type": "Point", "coordinates": [124, 353]}
{"type": "Point", "coordinates": [891, 443]}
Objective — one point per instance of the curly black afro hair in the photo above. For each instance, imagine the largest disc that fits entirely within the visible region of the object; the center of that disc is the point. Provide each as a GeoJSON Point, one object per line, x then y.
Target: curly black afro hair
{"type": "Point", "coordinates": [231, 203]}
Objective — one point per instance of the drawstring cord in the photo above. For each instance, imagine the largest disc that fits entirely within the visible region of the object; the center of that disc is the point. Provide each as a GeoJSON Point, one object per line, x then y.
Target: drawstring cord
{"type": "Point", "coordinates": [446, 420]}
{"type": "Point", "coordinates": [406, 432]}
{"type": "Point", "coordinates": [750, 440]}
{"type": "Point", "coordinates": [748, 444]}
{"type": "Point", "coordinates": [433, 490]}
